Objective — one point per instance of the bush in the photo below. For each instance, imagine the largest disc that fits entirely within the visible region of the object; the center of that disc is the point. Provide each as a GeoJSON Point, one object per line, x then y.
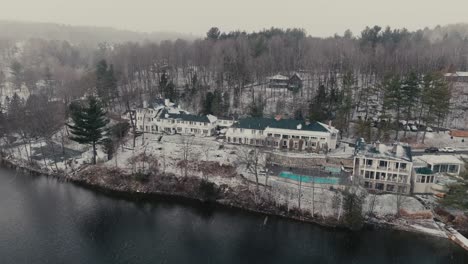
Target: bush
{"type": "Point", "coordinates": [207, 190]}
{"type": "Point", "coordinates": [142, 177]}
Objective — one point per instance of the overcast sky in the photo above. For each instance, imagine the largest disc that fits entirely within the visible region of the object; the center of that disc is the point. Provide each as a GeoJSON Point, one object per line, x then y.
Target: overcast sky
{"type": "Point", "coordinates": [317, 17]}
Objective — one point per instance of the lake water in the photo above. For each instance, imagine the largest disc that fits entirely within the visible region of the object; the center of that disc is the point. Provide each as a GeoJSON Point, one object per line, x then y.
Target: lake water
{"type": "Point", "coordinates": [43, 220]}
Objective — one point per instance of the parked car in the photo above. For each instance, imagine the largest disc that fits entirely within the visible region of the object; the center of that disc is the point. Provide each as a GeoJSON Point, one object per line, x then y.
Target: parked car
{"type": "Point", "coordinates": [431, 150]}
{"type": "Point", "coordinates": [429, 129]}
{"type": "Point", "coordinates": [414, 128]}
{"type": "Point", "coordinates": [447, 149]}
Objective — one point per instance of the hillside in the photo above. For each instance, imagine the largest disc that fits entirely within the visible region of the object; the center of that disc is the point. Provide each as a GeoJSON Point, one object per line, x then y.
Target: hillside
{"type": "Point", "coordinates": [15, 30]}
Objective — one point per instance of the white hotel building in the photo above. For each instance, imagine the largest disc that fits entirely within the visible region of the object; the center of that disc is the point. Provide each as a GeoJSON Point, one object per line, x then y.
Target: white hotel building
{"type": "Point", "coordinates": [383, 168]}
{"type": "Point", "coordinates": [285, 134]}
{"type": "Point", "coordinates": [167, 118]}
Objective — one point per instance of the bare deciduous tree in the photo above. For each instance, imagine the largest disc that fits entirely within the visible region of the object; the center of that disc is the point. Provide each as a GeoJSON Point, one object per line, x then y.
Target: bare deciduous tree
{"type": "Point", "coordinates": [186, 143]}
{"type": "Point", "coordinates": [253, 159]}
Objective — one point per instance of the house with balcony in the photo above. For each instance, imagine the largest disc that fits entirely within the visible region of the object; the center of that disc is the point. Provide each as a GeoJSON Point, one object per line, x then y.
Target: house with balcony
{"type": "Point", "coordinates": [384, 168]}
{"type": "Point", "coordinates": [284, 134]}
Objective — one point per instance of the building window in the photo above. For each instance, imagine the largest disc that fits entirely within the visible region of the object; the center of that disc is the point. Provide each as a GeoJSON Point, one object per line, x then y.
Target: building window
{"type": "Point", "coordinates": [379, 186]}
{"type": "Point", "coordinates": [402, 189]}
{"type": "Point", "coordinates": [367, 175]}
{"type": "Point", "coordinates": [205, 131]}
{"type": "Point", "coordinates": [260, 132]}
{"type": "Point", "coordinates": [269, 134]}
{"type": "Point", "coordinates": [453, 168]}
{"type": "Point", "coordinates": [368, 185]}
{"type": "Point", "coordinates": [251, 141]}
{"type": "Point", "coordinates": [383, 163]}
{"type": "Point", "coordinates": [229, 139]}
{"type": "Point", "coordinates": [276, 144]}
{"type": "Point", "coordinates": [234, 140]}
{"type": "Point", "coordinates": [369, 162]}
{"type": "Point", "coordinates": [403, 166]}
{"type": "Point", "coordinates": [390, 188]}
{"type": "Point", "coordinates": [277, 135]}
{"type": "Point", "coordinates": [252, 131]}
{"type": "Point", "coordinates": [285, 136]}
{"type": "Point", "coordinates": [377, 175]}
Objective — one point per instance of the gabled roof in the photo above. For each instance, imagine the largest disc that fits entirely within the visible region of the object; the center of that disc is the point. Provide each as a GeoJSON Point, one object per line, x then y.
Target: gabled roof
{"type": "Point", "coordinates": [298, 75]}
{"type": "Point", "coordinates": [263, 123]}
{"type": "Point", "coordinates": [185, 117]}
{"type": "Point", "coordinates": [456, 74]}
{"type": "Point", "coordinates": [278, 77]}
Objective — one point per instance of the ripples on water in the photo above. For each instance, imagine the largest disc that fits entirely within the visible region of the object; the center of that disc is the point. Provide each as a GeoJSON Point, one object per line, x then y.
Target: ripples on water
{"type": "Point", "coordinates": [46, 221]}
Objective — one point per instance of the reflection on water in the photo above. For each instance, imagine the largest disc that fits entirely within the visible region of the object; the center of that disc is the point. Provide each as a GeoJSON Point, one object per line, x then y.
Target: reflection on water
{"type": "Point", "coordinates": [46, 221]}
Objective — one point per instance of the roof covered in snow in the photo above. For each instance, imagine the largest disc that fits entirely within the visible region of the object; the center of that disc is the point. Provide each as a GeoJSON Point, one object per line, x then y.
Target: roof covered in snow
{"type": "Point", "coordinates": [278, 77]}
{"type": "Point", "coordinates": [186, 117]}
{"type": "Point", "coordinates": [440, 159]}
{"type": "Point", "coordinates": [263, 123]}
{"type": "Point", "coordinates": [396, 151]}
{"type": "Point", "coordinates": [456, 74]}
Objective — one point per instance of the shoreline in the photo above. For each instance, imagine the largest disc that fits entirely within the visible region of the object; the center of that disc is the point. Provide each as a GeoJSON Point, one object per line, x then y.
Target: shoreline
{"type": "Point", "coordinates": [135, 195]}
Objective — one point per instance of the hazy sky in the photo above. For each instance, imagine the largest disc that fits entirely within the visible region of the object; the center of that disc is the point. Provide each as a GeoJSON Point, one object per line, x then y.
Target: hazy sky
{"type": "Point", "coordinates": [317, 17]}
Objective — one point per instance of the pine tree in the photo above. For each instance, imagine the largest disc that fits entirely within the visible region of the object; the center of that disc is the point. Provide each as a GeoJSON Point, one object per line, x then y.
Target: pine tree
{"type": "Point", "coordinates": [393, 98]}
{"type": "Point", "coordinates": [106, 83]}
{"type": "Point", "coordinates": [89, 124]}
{"type": "Point", "coordinates": [410, 92]}
{"type": "Point", "coordinates": [317, 108]}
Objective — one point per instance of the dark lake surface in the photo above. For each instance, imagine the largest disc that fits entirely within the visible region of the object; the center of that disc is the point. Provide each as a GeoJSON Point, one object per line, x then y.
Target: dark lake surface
{"type": "Point", "coordinates": [43, 220]}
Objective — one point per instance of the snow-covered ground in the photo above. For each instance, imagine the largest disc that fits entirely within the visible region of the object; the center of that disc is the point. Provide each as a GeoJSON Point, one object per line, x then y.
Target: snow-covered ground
{"type": "Point", "coordinates": [169, 151]}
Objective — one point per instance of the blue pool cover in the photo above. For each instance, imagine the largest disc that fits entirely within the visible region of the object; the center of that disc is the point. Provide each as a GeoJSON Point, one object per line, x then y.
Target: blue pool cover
{"type": "Point", "coordinates": [318, 180]}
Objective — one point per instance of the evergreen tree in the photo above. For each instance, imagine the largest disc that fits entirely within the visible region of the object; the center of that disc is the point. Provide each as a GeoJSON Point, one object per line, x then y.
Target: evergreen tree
{"type": "Point", "coordinates": [213, 33]}
{"type": "Point", "coordinates": [298, 114]}
{"type": "Point", "coordinates": [352, 207]}
{"type": "Point", "coordinates": [393, 99]}
{"type": "Point", "coordinates": [207, 103]}
{"type": "Point", "coordinates": [318, 107]}
{"type": "Point", "coordinates": [106, 83]}
{"type": "Point", "coordinates": [101, 72]}
{"type": "Point", "coordinates": [17, 73]}
{"type": "Point", "coordinates": [89, 124]}
{"type": "Point", "coordinates": [410, 92]}
{"type": "Point", "coordinates": [343, 116]}
{"type": "Point", "coordinates": [435, 100]}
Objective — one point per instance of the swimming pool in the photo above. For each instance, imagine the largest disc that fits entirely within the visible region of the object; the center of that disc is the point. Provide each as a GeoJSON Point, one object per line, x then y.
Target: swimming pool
{"type": "Point", "coordinates": [318, 180]}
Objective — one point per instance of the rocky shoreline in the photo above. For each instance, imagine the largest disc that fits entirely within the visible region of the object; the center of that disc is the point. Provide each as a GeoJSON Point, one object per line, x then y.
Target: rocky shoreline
{"type": "Point", "coordinates": [190, 190]}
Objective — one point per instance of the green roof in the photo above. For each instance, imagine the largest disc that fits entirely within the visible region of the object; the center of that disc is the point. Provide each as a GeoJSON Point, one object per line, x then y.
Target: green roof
{"type": "Point", "coordinates": [262, 123]}
{"type": "Point", "coordinates": [424, 170]}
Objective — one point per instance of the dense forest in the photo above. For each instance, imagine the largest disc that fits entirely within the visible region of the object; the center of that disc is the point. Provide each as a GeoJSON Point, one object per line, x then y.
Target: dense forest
{"type": "Point", "coordinates": [383, 73]}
